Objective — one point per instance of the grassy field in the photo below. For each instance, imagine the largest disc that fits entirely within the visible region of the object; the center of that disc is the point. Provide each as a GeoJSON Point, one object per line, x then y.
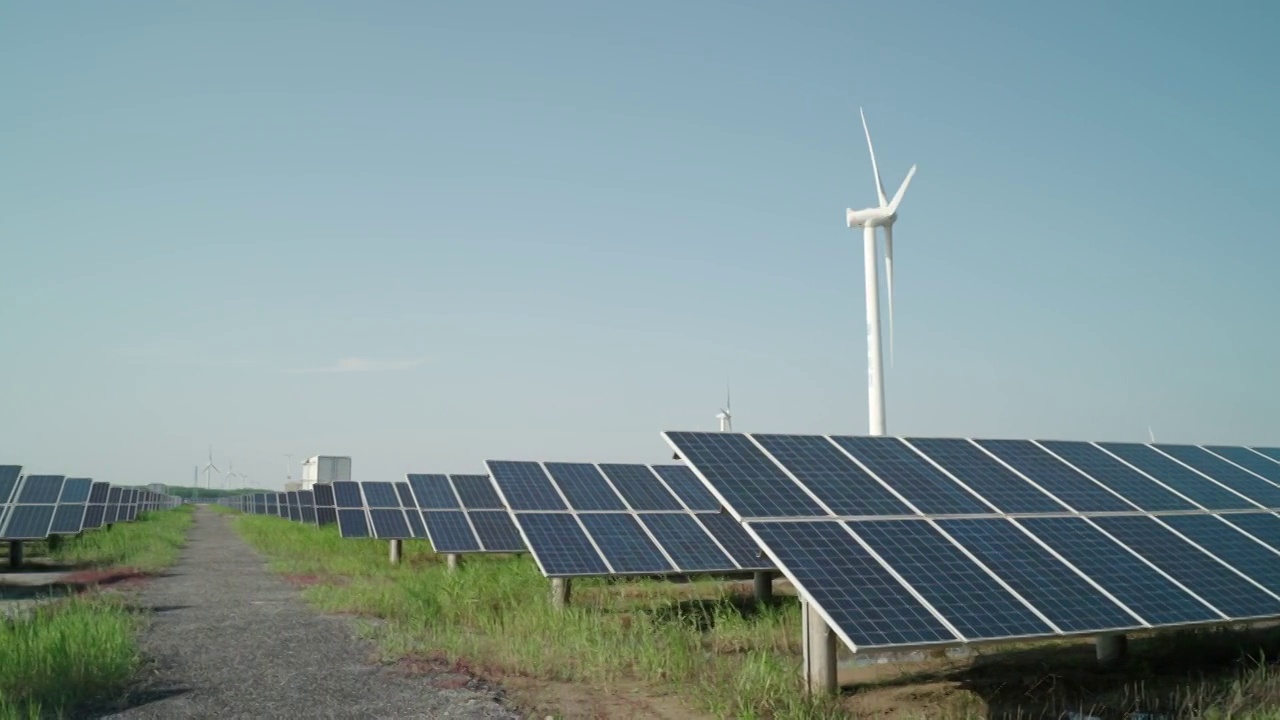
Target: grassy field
{"type": "Point", "coordinates": [703, 649]}
{"type": "Point", "coordinates": [62, 654]}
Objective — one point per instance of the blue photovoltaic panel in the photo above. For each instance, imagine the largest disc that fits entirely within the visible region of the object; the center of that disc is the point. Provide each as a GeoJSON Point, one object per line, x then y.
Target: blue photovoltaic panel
{"type": "Point", "coordinates": [326, 515]}
{"type": "Point", "coordinates": [449, 531]}
{"type": "Point", "coordinates": [831, 476]}
{"type": "Point", "coordinates": [379, 495]}
{"type": "Point", "coordinates": [68, 519]}
{"type": "Point", "coordinates": [1272, 453]}
{"type": "Point", "coordinates": [75, 491]}
{"type": "Point", "coordinates": [584, 486]}
{"type": "Point", "coordinates": [113, 505]}
{"type": "Point", "coordinates": [496, 531]}
{"type": "Point", "coordinates": [740, 473]}
{"type": "Point", "coordinates": [1195, 487]}
{"type": "Point", "coordinates": [864, 602]}
{"type": "Point", "coordinates": [1245, 483]}
{"type": "Point", "coordinates": [641, 488]}
{"type": "Point", "coordinates": [353, 523]}
{"type": "Point", "coordinates": [524, 485]}
{"type": "Point", "coordinates": [911, 476]}
{"type": "Point", "coordinates": [1132, 485]}
{"type": "Point", "coordinates": [625, 544]}
{"type": "Point", "coordinates": [8, 481]}
{"type": "Point", "coordinates": [1242, 456]}
{"type": "Point", "coordinates": [405, 495]}
{"type": "Point", "coordinates": [93, 516]}
{"type": "Point", "coordinates": [322, 492]}
{"type": "Point", "coordinates": [1060, 479]}
{"type": "Point", "coordinates": [389, 524]}
{"type": "Point", "coordinates": [1264, 526]}
{"type": "Point", "coordinates": [961, 591]}
{"type": "Point", "coordinates": [40, 489]}
{"type": "Point", "coordinates": [986, 476]}
{"type": "Point", "coordinates": [687, 542]}
{"type": "Point", "coordinates": [28, 522]}
{"type": "Point", "coordinates": [559, 545]}
{"type": "Point", "coordinates": [1231, 546]}
{"type": "Point", "coordinates": [1153, 596]}
{"type": "Point", "coordinates": [346, 494]}
{"type": "Point", "coordinates": [307, 503]}
{"type": "Point", "coordinates": [687, 487]}
{"type": "Point", "coordinates": [476, 492]}
{"type": "Point", "coordinates": [433, 492]}
{"type": "Point", "coordinates": [98, 493]}
{"type": "Point", "coordinates": [1046, 582]}
{"type": "Point", "coordinates": [295, 511]}
{"type": "Point", "coordinates": [1198, 571]}
{"type": "Point", "coordinates": [416, 527]}
{"type": "Point", "coordinates": [735, 540]}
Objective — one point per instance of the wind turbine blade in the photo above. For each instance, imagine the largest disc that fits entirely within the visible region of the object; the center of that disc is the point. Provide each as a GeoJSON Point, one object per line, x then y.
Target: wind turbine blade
{"type": "Point", "coordinates": [728, 399]}
{"type": "Point", "coordinates": [888, 271]}
{"type": "Point", "coordinates": [874, 169]}
{"type": "Point", "coordinates": [902, 190]}
{"type": "Point", "coordinates": [1152, 433]}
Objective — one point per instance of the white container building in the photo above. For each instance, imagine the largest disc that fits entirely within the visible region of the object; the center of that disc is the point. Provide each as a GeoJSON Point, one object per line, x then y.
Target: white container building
{"type": "Point", "coordinates": [325, 469]}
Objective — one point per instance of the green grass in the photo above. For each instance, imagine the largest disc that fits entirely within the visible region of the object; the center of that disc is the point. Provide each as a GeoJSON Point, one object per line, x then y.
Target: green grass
{"type": "Point", "coordinates": [148, 544]}
{"type": "Point", "coordinates": [722, 658]}
{"type": "Point", "coordinates": [710, 648]}
{"type": "Point", "coordinates": [64, 654]}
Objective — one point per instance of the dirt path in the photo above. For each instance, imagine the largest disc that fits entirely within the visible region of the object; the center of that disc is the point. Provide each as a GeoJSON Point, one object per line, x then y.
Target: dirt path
{"type": "Point", "coordinates": [228, 639]}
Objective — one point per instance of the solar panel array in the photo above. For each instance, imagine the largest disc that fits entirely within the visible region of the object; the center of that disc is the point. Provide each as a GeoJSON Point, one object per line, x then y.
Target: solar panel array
{"type": "Point", "coordinates": [915, 542]}
{"type": "Point", "coordinates": [584, 519]}
{"type": "Point", "coordinates": [463, 514]}
{"type": "Point", "coordinates": [34, 507]}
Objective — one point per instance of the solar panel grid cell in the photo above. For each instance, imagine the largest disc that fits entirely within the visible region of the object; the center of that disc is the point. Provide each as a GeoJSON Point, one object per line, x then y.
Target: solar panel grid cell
{"type": "Point", "coordinates": [389, 523]}
{"type": "Point", "coordinates": [476, 492]}
{"type": "Point", "coordinates": [689, 544]}
{"type": "Point", "coordinates": [864, 601]}
{"type": "Point", "coordinates": [923, 485]}
{"type": "Point", "coordinates": [640, 488]}
{"type": "Point", "coordinates": [75, 491]}
{"type": "Point", "coordinates": [323, 494]}
{"type": "Point", "coordinates": [353, 523]}
{"type": "Point", "coordinates": [68, 519]}
{"type": "Point", "coordinates": [347, 494]}
{"type": "Point", "coordinates": [985, 475]}
{"type": "Point", "coordinates": [1225, 542]}
{"type": "Point", "coordinates": [1070, 486]}
{"type": "Point", "coordinates": [433, 492]}
{"type": "Point", "coordinates": [560, 546]}
{"type": "Point", "coordinates": [625, 544]}
{"type": "Point", "coordinates": [1270, 453]}
{"type": "Point", "coordinates": [98, 493]}
{"type": "Point", "coordinates": [525, 486]}
{"type": "Point", "coordinates": [1245, 458]}
{"type": "Point", "coordinates": [496, 531]}
{"type": "Point", "coordinates": [735, 540]}
{"type": "Point", "coordinates": [1263, 526]}
{"type": "Point", "coordinates": [1241, 481]}
{"type": "Point", "coordinates": [450, 532]}
{"type": "Point", "coordinates": [584, 487]}
{"type": "Point", "coordinates": [687, 487]}
{"type": "Point", "coordinates": [40, 489]}
{"type": "Point", "coordinates": [957, 587]}
{"type": "Point", "coordinates": [750, 483]}
{"type": "Point", "coordinates": [841, 485]}
{"type": "Point", "coordinates": [28, 522]}
{"type": "Point", "coordinates": [1124, 480]}
{"type": "Point", "coordinates": [1194, 486]}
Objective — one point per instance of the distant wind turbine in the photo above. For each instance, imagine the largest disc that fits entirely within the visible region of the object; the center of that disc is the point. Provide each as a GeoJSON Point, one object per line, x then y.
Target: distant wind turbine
{"type": "Point", "coordinates": [883, 215]}
{"type": "Point", "coordinates": [231, 473]}
{"type": "Point", "coordinates": [1152, 433]}
{"type": "Point", "coordinates": [208, 468]}
{"type": "Point", "coordinates": [725, 417]}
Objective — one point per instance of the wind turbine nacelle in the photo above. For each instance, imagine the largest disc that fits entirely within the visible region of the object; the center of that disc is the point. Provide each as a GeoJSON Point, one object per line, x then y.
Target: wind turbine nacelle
{"type": "Point", "coordinates": [873, 217]}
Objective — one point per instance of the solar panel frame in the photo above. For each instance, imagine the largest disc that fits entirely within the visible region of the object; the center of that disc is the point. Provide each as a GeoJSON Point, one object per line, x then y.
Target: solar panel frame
{"type": "Point", "coordinates": [1248, 459]}
{"type": "Point", "coordinates": [1225, 473]}
{"type": "Point", "coordinates": [68, 516]}
{"type": "Point", "coordinates": [1194, 486]}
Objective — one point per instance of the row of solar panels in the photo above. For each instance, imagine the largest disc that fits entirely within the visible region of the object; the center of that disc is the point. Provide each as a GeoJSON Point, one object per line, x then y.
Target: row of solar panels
{"type": "Point", "coordinates": [620, 519]}
{"type": "Point", "coordinates": [921, 542]}
{"type": "Point", "coordinates": [34, 507]}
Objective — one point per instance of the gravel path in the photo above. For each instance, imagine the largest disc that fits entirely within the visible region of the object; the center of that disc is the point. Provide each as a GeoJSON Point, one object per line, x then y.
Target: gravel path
{"type": "Point", "coordinates": [228, 639]}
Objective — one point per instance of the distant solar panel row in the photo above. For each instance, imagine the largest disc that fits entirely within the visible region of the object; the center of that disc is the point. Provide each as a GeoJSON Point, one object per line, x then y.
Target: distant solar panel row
{"type": "Point", "coordinates": [34, 507]}
{"type": "Point", "coordinates": [582, 519]}
{"type": "Point", "coordinates": [1065, 559]}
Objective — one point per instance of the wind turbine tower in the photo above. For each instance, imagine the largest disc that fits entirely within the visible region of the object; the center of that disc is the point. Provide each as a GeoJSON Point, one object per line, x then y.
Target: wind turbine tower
{"type": "Point", "coordinates": [883, 215]}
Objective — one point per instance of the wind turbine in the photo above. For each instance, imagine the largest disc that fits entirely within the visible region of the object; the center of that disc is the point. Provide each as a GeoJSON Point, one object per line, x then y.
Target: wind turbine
{"type": "Point", "coordinates": [208, 467]}
{"type": "Point", "coordinates": [883, 215]}
{"type": "Point", "coordinates": [725, 417]}
{"type": "Point", "coordinates": [231, 473]}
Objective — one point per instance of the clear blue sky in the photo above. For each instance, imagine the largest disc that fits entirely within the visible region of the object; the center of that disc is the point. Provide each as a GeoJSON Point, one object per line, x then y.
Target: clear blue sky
{"type": "Point", "coordinates": [552, 230]}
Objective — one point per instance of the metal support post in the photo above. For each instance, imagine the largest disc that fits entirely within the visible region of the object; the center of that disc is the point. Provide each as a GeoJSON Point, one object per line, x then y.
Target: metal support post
{"type": "Point", "coordinates": [764, 587]}
{"type": "Point", "coordinates": [451, 560]}
{"type": "Point", "coordinates": [1111, 649]}
{"type": "Point", "coordinates": [15, 554]}
{"type": "Point", "coordinates": [395, 551]}
{"type": "Point", "coordinates": [560, 593]}
{"type": "Point", "coordinates": [820, 654]}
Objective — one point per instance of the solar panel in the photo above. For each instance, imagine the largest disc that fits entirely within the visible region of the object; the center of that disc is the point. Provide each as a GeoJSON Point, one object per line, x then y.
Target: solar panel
{"type": "Point", "coordinates": [913, 477]}
{"type": "Point", "coordinates": [496, 531]}
{"type": "Point", "coordinates": [1226, 474]}
{"type": "Point", "coordinates": [687, 487]}
{"type": "Point", "coordinates": [1069, 485]}
{"type": "Point", "coordinates": [27, 522]}
{"type": "Point", "coordinates": [433, 492]}
{"type": "Point", "coordinates": [832, 476]}
{"type": "Point", "coordinates": [1124, 480]}
{"type": "Point", "coordinates": [353, 523]}
{"type": "Point", "coordinates": [347, 494]}
{"type": "Point", "coordinates": [75, 491]}
{"type": "Point", "coordinates": [743, 476]}
{"type": "Point", "coordinates": [129, 504]}
{"type": "Point", "coordinates": [307, 504]}
{"type": "Point", "coordinates": [40, 490]}
{"type": "Point", "coordinates": [476, 492]}
{"type": "Point", "coordinates": [1195, 487]}
{"type": "Point", "coordinates": [524, 486]}
{"type": "Point", "coordinates": [983, 474]}
{"type": "Point", "coordinates": [93, 516]}
{"type": "Point", "coordinates": [450, 532]}
{"type": "Point", "coordinates": [616, 511]}
{"type": "Point", "coordinates": [1065, 596]}
{"type": "Point", "coordinates": [389, 523]}
{"type": "Point", "coordinates": [112, 513]}
{"type": "Point", "coordinates": [293, 508]}
{"type": "Point", "coordinates": [9, 475]}
{"type": "Point", "coordinates": [1270, 453]}
{"type": "Point", "coordinates": [960, 574]}
{"type": "Point", "coordinates": [68, 518]}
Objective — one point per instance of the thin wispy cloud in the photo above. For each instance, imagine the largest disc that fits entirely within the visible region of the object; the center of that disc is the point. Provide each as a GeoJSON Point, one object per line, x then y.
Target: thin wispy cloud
{"type": "Point", "coordinates": [366, 365]}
